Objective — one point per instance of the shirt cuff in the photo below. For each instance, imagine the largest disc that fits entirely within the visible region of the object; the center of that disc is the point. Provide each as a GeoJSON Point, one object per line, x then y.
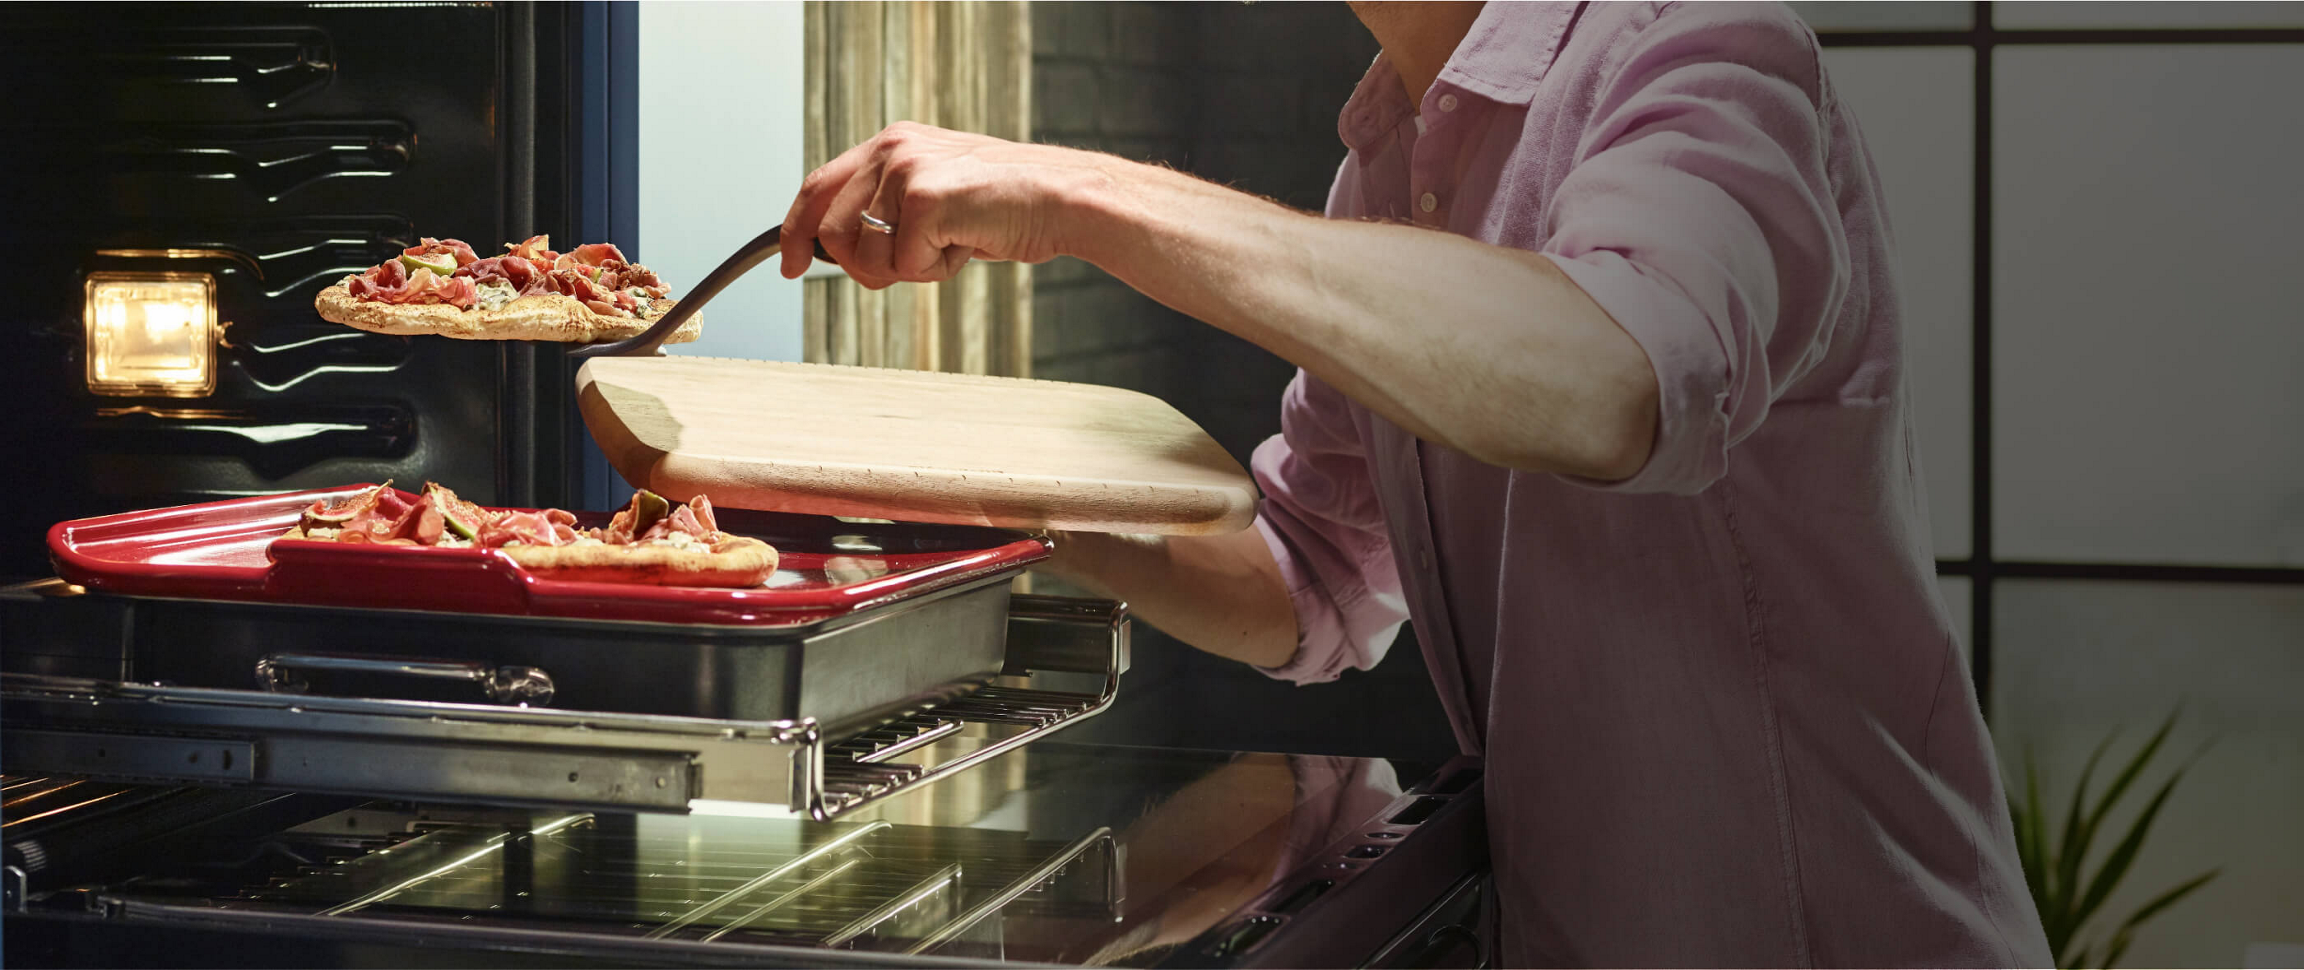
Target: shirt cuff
{"type": "Point", "coordinates": [1691, 450]}
{"type": "Point", "coordinates": [1320, 632]}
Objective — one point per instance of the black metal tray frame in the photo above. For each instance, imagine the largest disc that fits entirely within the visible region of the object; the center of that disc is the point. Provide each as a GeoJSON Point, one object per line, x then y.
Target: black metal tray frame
{"type": "Point", "coordinates": [437, 751]}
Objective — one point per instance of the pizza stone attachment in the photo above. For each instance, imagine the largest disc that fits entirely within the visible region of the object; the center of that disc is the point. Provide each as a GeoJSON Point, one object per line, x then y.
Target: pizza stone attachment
{"type": "Point", "coordinates": [649, 342]}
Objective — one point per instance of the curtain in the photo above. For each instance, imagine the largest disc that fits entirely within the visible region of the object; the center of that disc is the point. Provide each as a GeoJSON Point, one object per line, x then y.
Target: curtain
{"type": "Point", "coordinates": [963, 65]}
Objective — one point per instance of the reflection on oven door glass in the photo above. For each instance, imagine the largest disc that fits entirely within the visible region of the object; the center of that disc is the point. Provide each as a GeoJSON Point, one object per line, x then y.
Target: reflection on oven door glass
{"type": "Point", "coordinates": [1079, 855]}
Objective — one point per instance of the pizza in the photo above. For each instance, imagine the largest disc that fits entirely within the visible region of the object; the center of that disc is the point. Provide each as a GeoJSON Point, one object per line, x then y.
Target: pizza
{"type": "Point", "coordinates": [652, 541]}
{"type": "Point", "coordinates": [529, 292]}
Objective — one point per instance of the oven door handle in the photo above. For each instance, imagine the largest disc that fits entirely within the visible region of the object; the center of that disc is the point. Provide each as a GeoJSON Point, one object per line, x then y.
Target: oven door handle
{"type": "Point", "coordinates": [523, 686]}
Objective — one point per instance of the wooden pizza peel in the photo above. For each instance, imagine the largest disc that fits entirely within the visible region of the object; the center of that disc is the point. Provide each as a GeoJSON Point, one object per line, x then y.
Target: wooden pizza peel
{"type": "Point", "coordinates": [912, 446]}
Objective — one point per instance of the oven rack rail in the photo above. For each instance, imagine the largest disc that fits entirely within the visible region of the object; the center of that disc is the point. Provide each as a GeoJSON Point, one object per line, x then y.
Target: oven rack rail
{"type": "Point", "coordinates": [433, 751]}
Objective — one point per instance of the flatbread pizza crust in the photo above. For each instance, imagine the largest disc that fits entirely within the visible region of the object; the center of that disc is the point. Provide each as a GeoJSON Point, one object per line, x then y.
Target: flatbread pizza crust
{"type": "Point", "coordinates": [734, 561]}
{"type": "Point", "coordinates": [543, 316]}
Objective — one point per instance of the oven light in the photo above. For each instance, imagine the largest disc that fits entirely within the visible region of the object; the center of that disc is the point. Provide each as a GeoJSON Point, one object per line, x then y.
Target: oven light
{"type": "Point", "coordinates": [151, 334]}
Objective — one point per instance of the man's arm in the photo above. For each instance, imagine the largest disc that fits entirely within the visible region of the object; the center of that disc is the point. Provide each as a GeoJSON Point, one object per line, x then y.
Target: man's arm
{"type": "Point", "coordinates": [1222, 594]}
{"type": "Point", "coordinates": [1489, 350]}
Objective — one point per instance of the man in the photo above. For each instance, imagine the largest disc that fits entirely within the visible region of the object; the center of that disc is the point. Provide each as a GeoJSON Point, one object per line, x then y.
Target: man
{"type": "Point", "coordinates": [1626, 437]}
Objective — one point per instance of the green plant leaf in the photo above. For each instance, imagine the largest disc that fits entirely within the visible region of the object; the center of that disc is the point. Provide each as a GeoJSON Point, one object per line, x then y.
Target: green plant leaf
{"type": "Point", "coordinates": [2128, 775]}
{"type": "Point", "coordinates": [2077, 908]}
{"type": "Point", "coordinates": [2031, 845]}
{"type": "Point", "coordinates": [2078, 959]}
{"type": "Point", "coordinates": [2126, 933]}
{"type": "Point", "coordinates": [2116, 864]}
{"type": "Point", "coordinates": [2079, 828]}
{"type": "Point", "coordinates": [2164, 900]}
{"type": "Point", "coordinates": [2027, 847]}
{"type": "Point", "coordinates": [2055, 863]}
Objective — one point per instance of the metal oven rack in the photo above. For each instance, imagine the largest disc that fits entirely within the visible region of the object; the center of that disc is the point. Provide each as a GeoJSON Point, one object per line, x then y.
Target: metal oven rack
{"type": "Point", "coordinates": [590, 761]}
{"type": "Point", "coordinates": [592, 882]}
{"type": "Point", "coordinates": [870, 886]}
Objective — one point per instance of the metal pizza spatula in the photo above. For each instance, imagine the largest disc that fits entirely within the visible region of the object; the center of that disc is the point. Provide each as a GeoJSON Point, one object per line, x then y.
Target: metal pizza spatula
{"type": "Point", "coordinates": [650, 342]}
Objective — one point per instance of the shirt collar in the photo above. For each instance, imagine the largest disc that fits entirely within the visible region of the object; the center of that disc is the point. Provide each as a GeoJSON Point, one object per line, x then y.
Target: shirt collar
{"type": "Point", "coordinates": [1503, 56]}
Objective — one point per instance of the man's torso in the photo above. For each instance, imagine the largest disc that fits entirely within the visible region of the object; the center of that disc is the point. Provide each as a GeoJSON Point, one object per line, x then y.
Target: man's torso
{"type": "Point", "coordinates": [1750, 694]}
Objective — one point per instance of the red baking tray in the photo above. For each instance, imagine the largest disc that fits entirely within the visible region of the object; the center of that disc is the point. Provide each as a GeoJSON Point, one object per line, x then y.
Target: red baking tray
{"type": "Point", "coordinates": [827, 568]}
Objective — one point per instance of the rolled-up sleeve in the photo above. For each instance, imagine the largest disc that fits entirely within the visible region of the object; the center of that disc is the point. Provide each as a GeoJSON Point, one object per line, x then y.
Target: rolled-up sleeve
{"type": "Point", "coordinates": [1322, 521]}
{"type": "Point", "coordinates": [1699, 216]}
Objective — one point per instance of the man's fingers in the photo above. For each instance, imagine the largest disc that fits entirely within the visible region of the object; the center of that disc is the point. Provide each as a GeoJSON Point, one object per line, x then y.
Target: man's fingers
{"type": "Point", "coordinates": [816, 194]}
{"type": "Point", "coordinates": [874, 248]}
{"type": "Point", "coordinates": [915, 253]}
{"type": "Point", "coordinates": [956, 257]}
{"type": "Point", "coordinates": [843, 217]}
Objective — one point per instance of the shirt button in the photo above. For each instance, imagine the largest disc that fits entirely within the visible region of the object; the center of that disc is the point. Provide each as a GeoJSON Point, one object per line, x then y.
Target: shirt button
{"type": "Point", "coordinates": [1447, 102]}
{"type": "Point", "coordinates": [1429, 202]}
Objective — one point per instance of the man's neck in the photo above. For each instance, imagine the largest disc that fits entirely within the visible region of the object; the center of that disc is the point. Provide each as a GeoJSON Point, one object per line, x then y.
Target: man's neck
{"type": "Point", "coordinates": [1418, 37]}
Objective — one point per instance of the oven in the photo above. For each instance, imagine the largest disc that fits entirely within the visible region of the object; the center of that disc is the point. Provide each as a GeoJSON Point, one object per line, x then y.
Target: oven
{"type": "Point", "coordinates": [185, 178]}
{"type": "Point", "coordinates": [213, 764]}
{"type": "Point", "coordinates": [203, 767]}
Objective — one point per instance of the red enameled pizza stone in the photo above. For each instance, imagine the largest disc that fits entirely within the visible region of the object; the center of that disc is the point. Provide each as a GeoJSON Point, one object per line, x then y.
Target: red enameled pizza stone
{"type": "Point", "coordinates": [232, 550]}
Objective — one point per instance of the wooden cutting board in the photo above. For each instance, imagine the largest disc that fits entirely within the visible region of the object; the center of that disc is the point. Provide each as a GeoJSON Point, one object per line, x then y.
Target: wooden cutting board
{"type": "Point", "coordinates": [911, 445]}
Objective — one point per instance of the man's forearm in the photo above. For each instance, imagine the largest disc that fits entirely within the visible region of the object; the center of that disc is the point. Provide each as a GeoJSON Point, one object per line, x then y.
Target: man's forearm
{"type": "Point", "coordinates": [1222, 594]}
{"type": "Point", "coordinates": [1489, 350]}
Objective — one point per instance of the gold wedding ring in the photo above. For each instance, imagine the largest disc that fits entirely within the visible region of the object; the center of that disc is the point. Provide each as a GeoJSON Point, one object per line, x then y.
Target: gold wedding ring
{"type": "Point", "coordinates": [877, 225]}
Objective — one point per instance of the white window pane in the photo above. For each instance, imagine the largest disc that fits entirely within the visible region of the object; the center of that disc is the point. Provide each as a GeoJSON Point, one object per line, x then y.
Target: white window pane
{"type": "Point", "coordinates": [1826, 16]}
{"type": "Point", "coordinates": [696, 208]}
{"type": "Point", "coordinates": [1916, 108]}
{"type": "Point", "coordinates": [2075, 660]}
{"type": "Point", "coordinates": [2149, 330]}
{"type": "Point", "coordinates": [2079, 16]}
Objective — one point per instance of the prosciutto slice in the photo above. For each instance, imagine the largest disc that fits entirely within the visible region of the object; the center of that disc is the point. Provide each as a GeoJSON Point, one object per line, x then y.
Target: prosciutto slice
{"type": "Point", "coordinates": [603, 288]}
{"type": "Point", "coordinates": [551, 527]}
{"type": "Point", "coordinates": [593, 254]}
{"type": "Point", "coordinates": [391, 283]}
{"type": "Point", "coordinates": [515, 271]}
{"type": "Point", "coordinates": [395, 522]}
{"type": "Point", "coordinates": [701, 508]}
{"type": "Point", "coordinates": [536, 248]}
{"type": "Point", "coordinates": [429, 246]}
{"type": "Point", "coordinates": [614, 303]}
{"type": "Point", "coordinates": [578, 284]}
{"type": "Point", "coordinates": [387, 278]}
{"type": "Point", "coordinates": [628, 276]}
{"type": "Point", "coordinates": [459, 292]}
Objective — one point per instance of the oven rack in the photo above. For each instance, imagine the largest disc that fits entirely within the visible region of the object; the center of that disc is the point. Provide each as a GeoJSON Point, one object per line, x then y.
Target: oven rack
{"type": "Point", "coordinates": [872, 885]}
{"type": "Point", "coordinates": [594, 761]}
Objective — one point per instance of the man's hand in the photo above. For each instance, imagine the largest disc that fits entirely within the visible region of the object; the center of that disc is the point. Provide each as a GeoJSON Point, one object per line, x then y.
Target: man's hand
{"type": "Point", "coordinates": [952, 197]}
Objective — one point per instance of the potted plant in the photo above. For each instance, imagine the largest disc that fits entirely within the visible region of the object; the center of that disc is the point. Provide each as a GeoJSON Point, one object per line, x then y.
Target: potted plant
{"type": "Point", "coordinates": [2067, 892]}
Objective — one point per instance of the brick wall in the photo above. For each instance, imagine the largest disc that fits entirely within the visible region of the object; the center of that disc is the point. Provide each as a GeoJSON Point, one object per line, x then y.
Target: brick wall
{"type": "Point", "coordinates": [1245, 95]}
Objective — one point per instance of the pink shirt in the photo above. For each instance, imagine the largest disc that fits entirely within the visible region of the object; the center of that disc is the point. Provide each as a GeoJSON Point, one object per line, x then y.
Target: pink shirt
{"type": "Point", "coordinates": [1724, 714]}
